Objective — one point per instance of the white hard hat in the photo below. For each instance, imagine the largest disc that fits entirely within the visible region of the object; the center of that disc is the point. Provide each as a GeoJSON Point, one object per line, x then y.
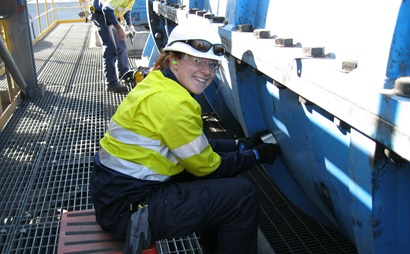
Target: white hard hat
{"type": "Point", "coordinates": [195, 29]}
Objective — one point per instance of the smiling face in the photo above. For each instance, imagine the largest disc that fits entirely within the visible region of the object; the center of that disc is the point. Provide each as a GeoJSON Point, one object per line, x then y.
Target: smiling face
{"type": "Point", "coordinates": [193, 73]}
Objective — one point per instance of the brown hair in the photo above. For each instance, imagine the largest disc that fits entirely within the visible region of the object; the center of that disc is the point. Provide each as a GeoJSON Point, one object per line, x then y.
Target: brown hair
{"type": "Point", "coordinates": [163, 59]}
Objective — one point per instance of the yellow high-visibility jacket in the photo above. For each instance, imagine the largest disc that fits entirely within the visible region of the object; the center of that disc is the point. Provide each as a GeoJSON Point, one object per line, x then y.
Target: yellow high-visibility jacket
{"type": "Point", "coordinates": [157, 132]}
{"type": "Point", "coordinates": [120, 7]}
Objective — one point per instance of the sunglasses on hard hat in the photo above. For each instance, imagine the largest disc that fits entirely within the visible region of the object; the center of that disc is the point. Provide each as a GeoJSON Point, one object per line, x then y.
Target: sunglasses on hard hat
{"type": "Point", "coordinates": [205, 46]}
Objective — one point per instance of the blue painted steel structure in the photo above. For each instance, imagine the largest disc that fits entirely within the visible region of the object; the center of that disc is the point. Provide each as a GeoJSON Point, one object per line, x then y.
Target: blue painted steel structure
{"type": "Point", "coordinates": [331, 81]}
{"type": "Point", "coordinates": [139, 13]}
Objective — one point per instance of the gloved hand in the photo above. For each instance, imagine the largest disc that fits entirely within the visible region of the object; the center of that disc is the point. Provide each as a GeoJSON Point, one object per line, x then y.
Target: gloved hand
{"type": "Point", "coordinates": [131, 29]}
{"type": "Point", "coordinates": [249, 142]}
{"type": "Point", "coordinates": [267, 152]}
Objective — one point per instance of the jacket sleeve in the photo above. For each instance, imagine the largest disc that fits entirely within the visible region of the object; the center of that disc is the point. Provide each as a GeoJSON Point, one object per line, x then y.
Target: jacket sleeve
{"type": "Point", "coordinates": [182, 132]}
{"type": "Point", "coordinates": [127, 18]}
{"type": "Point", "coordinates": [234, 163]}
{"type": "Point", "coordinates": [223, 145]}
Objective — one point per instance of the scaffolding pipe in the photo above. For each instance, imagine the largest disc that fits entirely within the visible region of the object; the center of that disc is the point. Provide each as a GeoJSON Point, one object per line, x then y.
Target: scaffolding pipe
{"type": "Point", "coordinates": [12, 67]}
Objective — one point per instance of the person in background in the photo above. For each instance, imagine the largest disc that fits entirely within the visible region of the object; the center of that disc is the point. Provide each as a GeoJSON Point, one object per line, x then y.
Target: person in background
{"type": "Point", "coordinates": [105, 17]}
{"type": "Point", "coordinates": [156, 174]}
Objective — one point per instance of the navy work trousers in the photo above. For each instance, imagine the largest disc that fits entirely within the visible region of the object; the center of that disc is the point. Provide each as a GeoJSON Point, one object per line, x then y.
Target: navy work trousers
{"type": "Point", "coordinates": [115, 54]}
{"type": "Point", "coordinates": [228, 205]}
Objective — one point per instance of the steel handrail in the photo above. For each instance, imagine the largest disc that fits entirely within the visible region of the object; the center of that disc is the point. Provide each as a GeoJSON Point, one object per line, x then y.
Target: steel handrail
{"type": "Point", "coordinates": [44, 28]}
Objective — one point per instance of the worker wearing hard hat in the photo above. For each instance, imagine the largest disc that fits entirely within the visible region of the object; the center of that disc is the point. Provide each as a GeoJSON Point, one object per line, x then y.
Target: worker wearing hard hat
{"type": "Point", "coordinates": [156, 171]}
{"type": "Point", "coordinates": [105, 15]}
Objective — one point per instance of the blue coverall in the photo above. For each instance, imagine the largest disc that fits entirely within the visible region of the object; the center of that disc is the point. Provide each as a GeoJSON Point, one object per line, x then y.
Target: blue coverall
{"type": "Point", "coordinates": [114, 49]}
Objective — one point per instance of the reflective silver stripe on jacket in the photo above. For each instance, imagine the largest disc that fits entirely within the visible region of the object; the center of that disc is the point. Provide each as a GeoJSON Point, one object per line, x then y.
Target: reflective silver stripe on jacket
{"type": "Point", "coordinates": [192, 148]}
{"type": "Point", "coordinates": [129, 168]}
{"type": "Point", "coordinates": [140, 171]}
{"type": "Point", "coordinates": [128, 137]}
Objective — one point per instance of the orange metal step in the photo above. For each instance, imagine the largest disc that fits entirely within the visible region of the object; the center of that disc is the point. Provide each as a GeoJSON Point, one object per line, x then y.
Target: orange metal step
{"type": "Point", "coordinates": [80, 233]}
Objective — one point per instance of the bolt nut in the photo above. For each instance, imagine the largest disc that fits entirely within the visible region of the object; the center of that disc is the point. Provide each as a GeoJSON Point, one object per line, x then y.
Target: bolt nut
{"type": "Point", "coordinates": [305, 101]}
{"type": "Point", "coordinates": [244, 28]}
{"type": "Point", "coordinates": [261, 33]}
{"type": "Point", "coordinates": [349, 65]}
{"type": "Point", "coordinates": [200, 13]}
{"type": "Point", "coordinates": [341, 124]}
{"type": "Point", "coordinates": [284, 42]}
{"type": "Point", "coordinates": [218, 19]}
{"type": "Point", "coordinates": [402, 86]}
{"type": "Point", "coordinates": [314, 52]}
{"type": "Point", "coordinates": [193, 10]}
{"type": "Point", "coordinates": [209, 15]}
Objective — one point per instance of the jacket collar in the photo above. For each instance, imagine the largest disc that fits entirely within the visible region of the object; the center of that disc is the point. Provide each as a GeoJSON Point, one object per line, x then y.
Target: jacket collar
{"type": "Point", "coordinates": [169, 74]}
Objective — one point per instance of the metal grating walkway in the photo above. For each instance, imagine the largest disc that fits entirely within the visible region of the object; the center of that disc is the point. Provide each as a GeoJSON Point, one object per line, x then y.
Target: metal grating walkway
{"type": "Point", "coordinates": [46, 152]}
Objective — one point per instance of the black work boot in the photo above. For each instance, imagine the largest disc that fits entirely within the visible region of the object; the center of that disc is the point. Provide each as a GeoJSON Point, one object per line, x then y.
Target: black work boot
{"type": "Point", "coordinates": [117, 88]}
